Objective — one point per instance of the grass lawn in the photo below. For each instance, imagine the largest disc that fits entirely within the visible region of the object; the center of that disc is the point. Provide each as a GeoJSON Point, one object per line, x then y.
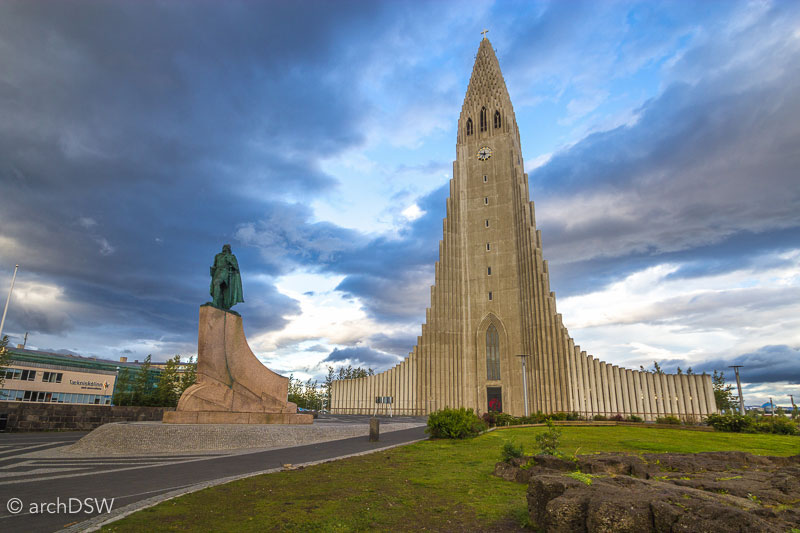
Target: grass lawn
{"type": "Point", "coordinates": [437, 485]}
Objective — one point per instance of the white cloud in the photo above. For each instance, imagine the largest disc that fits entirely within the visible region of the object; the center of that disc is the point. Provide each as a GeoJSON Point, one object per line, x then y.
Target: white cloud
{"type": "Point", "coordinates": [412, 212]}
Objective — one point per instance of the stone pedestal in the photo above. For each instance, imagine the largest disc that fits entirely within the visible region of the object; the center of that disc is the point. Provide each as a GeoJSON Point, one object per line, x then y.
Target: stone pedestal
{"type": "Point", "coordinates": [233, 387]}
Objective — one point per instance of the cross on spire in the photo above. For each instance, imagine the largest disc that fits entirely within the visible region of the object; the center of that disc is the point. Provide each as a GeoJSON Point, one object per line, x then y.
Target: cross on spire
{"type": "Point", "coordinates": [484, 32]}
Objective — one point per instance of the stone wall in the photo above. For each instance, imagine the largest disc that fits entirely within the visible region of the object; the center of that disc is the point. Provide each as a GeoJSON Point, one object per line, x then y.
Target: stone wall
{"type": "Point", "coordinates": [24, 416]}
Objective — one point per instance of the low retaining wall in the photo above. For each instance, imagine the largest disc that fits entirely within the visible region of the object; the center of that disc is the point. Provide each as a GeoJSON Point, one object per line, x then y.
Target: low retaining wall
{"type": "Point", "coordinates": [24, 416]}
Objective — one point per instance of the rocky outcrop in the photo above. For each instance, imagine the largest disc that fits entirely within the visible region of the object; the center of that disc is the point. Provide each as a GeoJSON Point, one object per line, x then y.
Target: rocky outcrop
{"type": "Point", "coordinates": [714, 492]}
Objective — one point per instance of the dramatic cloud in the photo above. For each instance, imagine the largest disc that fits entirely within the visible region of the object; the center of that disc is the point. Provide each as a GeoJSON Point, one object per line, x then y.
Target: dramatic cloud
{"type": "Point", "coordinates": [362, 356]}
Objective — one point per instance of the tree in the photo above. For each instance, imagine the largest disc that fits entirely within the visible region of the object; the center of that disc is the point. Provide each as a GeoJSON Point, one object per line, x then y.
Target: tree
{"type": "Point", "coordinates": [142, 392]}
{"type": "Point", "coordinates": [679, 371]}
{"type": "Point", "coordinates": [122, 394]}
{"type": "Point", "coordinates": [689, 371]}
{"type": "Point", "coordinates": [188, 377]}
{"type": "Point", "coordinates": [723, 394]}
{"type": "Point", "coordinates": [166, 393]}
{"type": "Point", "coordinates": [657, 368]}
{"type": "Point", "coordinates": [5, 358]}
{"type": "Point", "coordinates": [328, 386]}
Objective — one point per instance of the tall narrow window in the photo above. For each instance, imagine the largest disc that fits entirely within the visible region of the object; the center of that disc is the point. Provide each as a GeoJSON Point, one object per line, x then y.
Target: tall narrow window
{"type": "Point", "coordinates": [484, 120]}
{"type": "Point", "coordinates": [469, 126]}
{"type": "Point", "coordinates": [487, 222]}
{"type": "Point", "coordinates": [488, 246]}
{"type": "Point", "coordinates": [490, 296]}
{"type": "Point", "coordinates": [486, 201]}
{"type": "Point", "coordinates": [489, 271]}
{"type": "Point", "coordinates": [497, 119]}
{"type": "Point", "coordinates": [485, 178]}
{"type": "Point", "coordinates": [492, 353]}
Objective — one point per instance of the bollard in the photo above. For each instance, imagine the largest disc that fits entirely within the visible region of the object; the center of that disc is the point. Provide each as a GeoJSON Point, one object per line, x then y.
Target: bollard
{"type": "Point", "coordinates": [374, 429]}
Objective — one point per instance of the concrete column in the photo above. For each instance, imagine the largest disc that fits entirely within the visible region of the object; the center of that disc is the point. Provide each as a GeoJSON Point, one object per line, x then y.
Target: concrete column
{"type": "Point", "coordinates": [701, 395]}
{"type": "Point", "coordinates": [631, 392]}
{"type": "Point", "coordinates": [623, 388]}
{"type": "Point", "coordinates": [659, 394]}
{"type": "Point", "coordinates": [711, 400]}
{"type": "Point", "coordinates": [647, 402]}
{"type": "Point", "coordinates": [638, 392]}
{"type": "Point", "coordinates": [611, 405]}
{"type": "Point", "coordinates": [693, 398]}
{"type": "Point", "coordinates": [588, 404]}
{"type": "Point", "coordinates": [598, 390]}
{"type": "Point", "coordinates": [670, 388]}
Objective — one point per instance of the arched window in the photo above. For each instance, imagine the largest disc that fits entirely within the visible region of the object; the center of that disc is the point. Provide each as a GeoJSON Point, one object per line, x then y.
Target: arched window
{"type": "Point", "coordinates": [469, 126]}
{"type": "Point", "coordinates": [484, 120]}
{"type": "Point", "coordinates": [497, 119]}
{"type": "Point", "coordinates": [492, 353]}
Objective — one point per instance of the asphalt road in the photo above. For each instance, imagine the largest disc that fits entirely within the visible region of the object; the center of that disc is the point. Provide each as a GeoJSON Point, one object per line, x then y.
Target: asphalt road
{"type": "Point", "coordinates": [45, 488]}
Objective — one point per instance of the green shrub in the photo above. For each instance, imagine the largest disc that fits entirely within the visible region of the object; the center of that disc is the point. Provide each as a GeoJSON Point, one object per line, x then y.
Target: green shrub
{"type": "Point", "coordinates": [573, 416]}
{"type": "Point", "coordinates": [599, 418]}
{"type": "Point", "coordinates": [547, 441]}
{"type": "Point", "coordinates": [674, 420]}
{"type": "Point", "coordinates": [536, 418]}
{"type": "Point", "coordinates": [558, 416]}
{"type": "Point", "coordinates": [731, 422]}
{"type": "Point", "coordinates": [503, 419]}
{"type": "Point", "coordinates": [617, 418]}
{"type": "Point", "coordinates": [511, 450]}
{"type": "Point", "coordinates": [454, 424]}
{"type": "Point", "coordinates": [777, 424]}
{"type": "Point", "coordinates": [634, 418]}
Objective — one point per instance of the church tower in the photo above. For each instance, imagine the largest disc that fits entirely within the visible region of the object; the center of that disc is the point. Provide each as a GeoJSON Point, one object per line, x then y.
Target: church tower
{"type": "Point", "coordinates": [492, 339]}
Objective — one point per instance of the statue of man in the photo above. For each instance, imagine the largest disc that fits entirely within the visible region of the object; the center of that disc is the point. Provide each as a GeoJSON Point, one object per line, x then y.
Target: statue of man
{"type": "Point", "coordinates": [226, 283]}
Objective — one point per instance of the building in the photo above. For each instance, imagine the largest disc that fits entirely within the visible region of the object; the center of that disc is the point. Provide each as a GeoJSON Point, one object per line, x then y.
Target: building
{"type": "Point", "coordinates": [35, 376]}
{"type": "Point", "coordinates": [492, 338]}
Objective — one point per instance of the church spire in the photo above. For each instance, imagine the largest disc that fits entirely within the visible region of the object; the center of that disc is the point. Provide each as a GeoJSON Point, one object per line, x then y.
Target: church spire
{"type": "Point", "coordinates": [487, 108]}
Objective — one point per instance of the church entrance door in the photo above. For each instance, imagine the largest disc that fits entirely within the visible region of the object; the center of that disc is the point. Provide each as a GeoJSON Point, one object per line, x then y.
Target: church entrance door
{"type": "Point", "coordinates": [494, 399]}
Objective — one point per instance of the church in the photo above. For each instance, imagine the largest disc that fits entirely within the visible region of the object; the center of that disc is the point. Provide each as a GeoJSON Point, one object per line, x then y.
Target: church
{"type": "Point", "coordinates": [492, 338]}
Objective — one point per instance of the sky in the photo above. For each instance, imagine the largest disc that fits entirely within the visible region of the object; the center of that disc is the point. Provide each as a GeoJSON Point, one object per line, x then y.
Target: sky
{"type": "Point", "coordinates": [662, 142]}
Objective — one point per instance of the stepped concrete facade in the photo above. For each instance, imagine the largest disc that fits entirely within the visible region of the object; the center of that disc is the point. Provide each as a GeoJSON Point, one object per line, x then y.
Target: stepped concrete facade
{"type": "Point", "coordinates": [491, 305]}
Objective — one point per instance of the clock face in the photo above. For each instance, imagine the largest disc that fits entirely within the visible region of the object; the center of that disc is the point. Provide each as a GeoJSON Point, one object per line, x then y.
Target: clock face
{"type": "Point", "coordinates": [484, 153]}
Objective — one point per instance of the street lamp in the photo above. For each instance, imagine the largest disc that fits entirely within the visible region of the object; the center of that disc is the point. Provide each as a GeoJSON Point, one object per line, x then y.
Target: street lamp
{"type": "Point", "coordinates": [524, 358]}
{"type": "Point", "coordinates": [3, 321]}
{"type": "Point", "coordinates": [739, 386]}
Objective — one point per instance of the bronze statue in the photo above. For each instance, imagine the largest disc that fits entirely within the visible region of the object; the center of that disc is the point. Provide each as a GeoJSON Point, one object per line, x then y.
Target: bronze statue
{"type": "Point", "coordinates": [226, 283]}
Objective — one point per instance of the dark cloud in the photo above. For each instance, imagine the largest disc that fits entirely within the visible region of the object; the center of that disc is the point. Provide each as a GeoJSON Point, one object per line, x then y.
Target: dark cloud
{"type": "Point", "coordinates": [362, 356]}
{"type": "Point", "coordinates": [136, 137]}
{"type": "Point", "coordinates": [400, 345]}
{"type": "Point", "coordinates": [768, 364]}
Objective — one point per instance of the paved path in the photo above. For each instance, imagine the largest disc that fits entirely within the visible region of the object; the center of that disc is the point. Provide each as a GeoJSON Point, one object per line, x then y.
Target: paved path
{"type": "Point", "coordinates": [138, 479]}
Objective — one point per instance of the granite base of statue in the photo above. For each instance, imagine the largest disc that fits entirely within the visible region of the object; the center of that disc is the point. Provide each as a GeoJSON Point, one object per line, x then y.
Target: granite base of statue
{"type": "Point", "coordinates": [233, 386]}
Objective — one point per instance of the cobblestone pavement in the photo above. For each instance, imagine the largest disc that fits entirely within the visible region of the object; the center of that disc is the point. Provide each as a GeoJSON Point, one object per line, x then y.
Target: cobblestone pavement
{"type": "Point", "coordinates": [36, 469]}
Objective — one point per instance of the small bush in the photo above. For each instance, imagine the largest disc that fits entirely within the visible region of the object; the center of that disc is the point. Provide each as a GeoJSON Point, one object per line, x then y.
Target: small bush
{"type": "Point", "coordinates": [558, 416]}
{"type": "Point", "coordinates": [634, 418]}
{"type": "Point", "coordinates": [536, 418]}
{"type": "Point", "coordinates": [674, 420]}
{"type": "Point", "coordinates": [599, 418]}
{"type": "Point", "coordinates": [732, 422]}
{"type": "Point", "coordinates": [617, 418]}
{"type": "Point", "coordinates": [547, 441]}
{"type": "Point", "coordinates": [573, 416]}
{"type": "Point", "coordinates": [490, 419]}
{"type": "Point", "coordinates": [511, 450]}
{"type": "Point", "coordinates": [454, 424]}
{"type": "Point", "coordinates": [777, 424]}
{"type": "Point", "coordinates": [503, 419]}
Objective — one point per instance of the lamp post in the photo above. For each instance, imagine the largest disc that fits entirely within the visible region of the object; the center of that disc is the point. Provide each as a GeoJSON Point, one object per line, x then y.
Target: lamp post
{"type": "Point", "coordinates": [739, 387]}
{"type": "Point", "coordinates": [3, 321]}
{"type": "Point", "coordinates": [524, 358]}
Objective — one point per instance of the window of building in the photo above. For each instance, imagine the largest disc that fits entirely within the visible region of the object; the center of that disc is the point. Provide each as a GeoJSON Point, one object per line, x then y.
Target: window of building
{"type": "Point", "coordinates": [487, 222]}
{"type": "Point", "coordinates": [52, 377]}
{"type": "Point", "coordinates": [484, 120]}
{"type": "Point", "coordinates": [486, 200]}
{"type": "Point", "coordinates": [469, 126]}
{"type": "Point", "coordinates": [488, 271]}
{"type": "Point", "coordinates": [492, 353]}
{"type": "Point", "coordinates": [485, 178]}
{"type": "Point", "coordinates": [490, 296]}
{"type": "Point", "coordinates": [28, 375]}
{"type": "Point", "coordinates": [497, 119]}
{"type": "Point", "coordinates": [488, 246]}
